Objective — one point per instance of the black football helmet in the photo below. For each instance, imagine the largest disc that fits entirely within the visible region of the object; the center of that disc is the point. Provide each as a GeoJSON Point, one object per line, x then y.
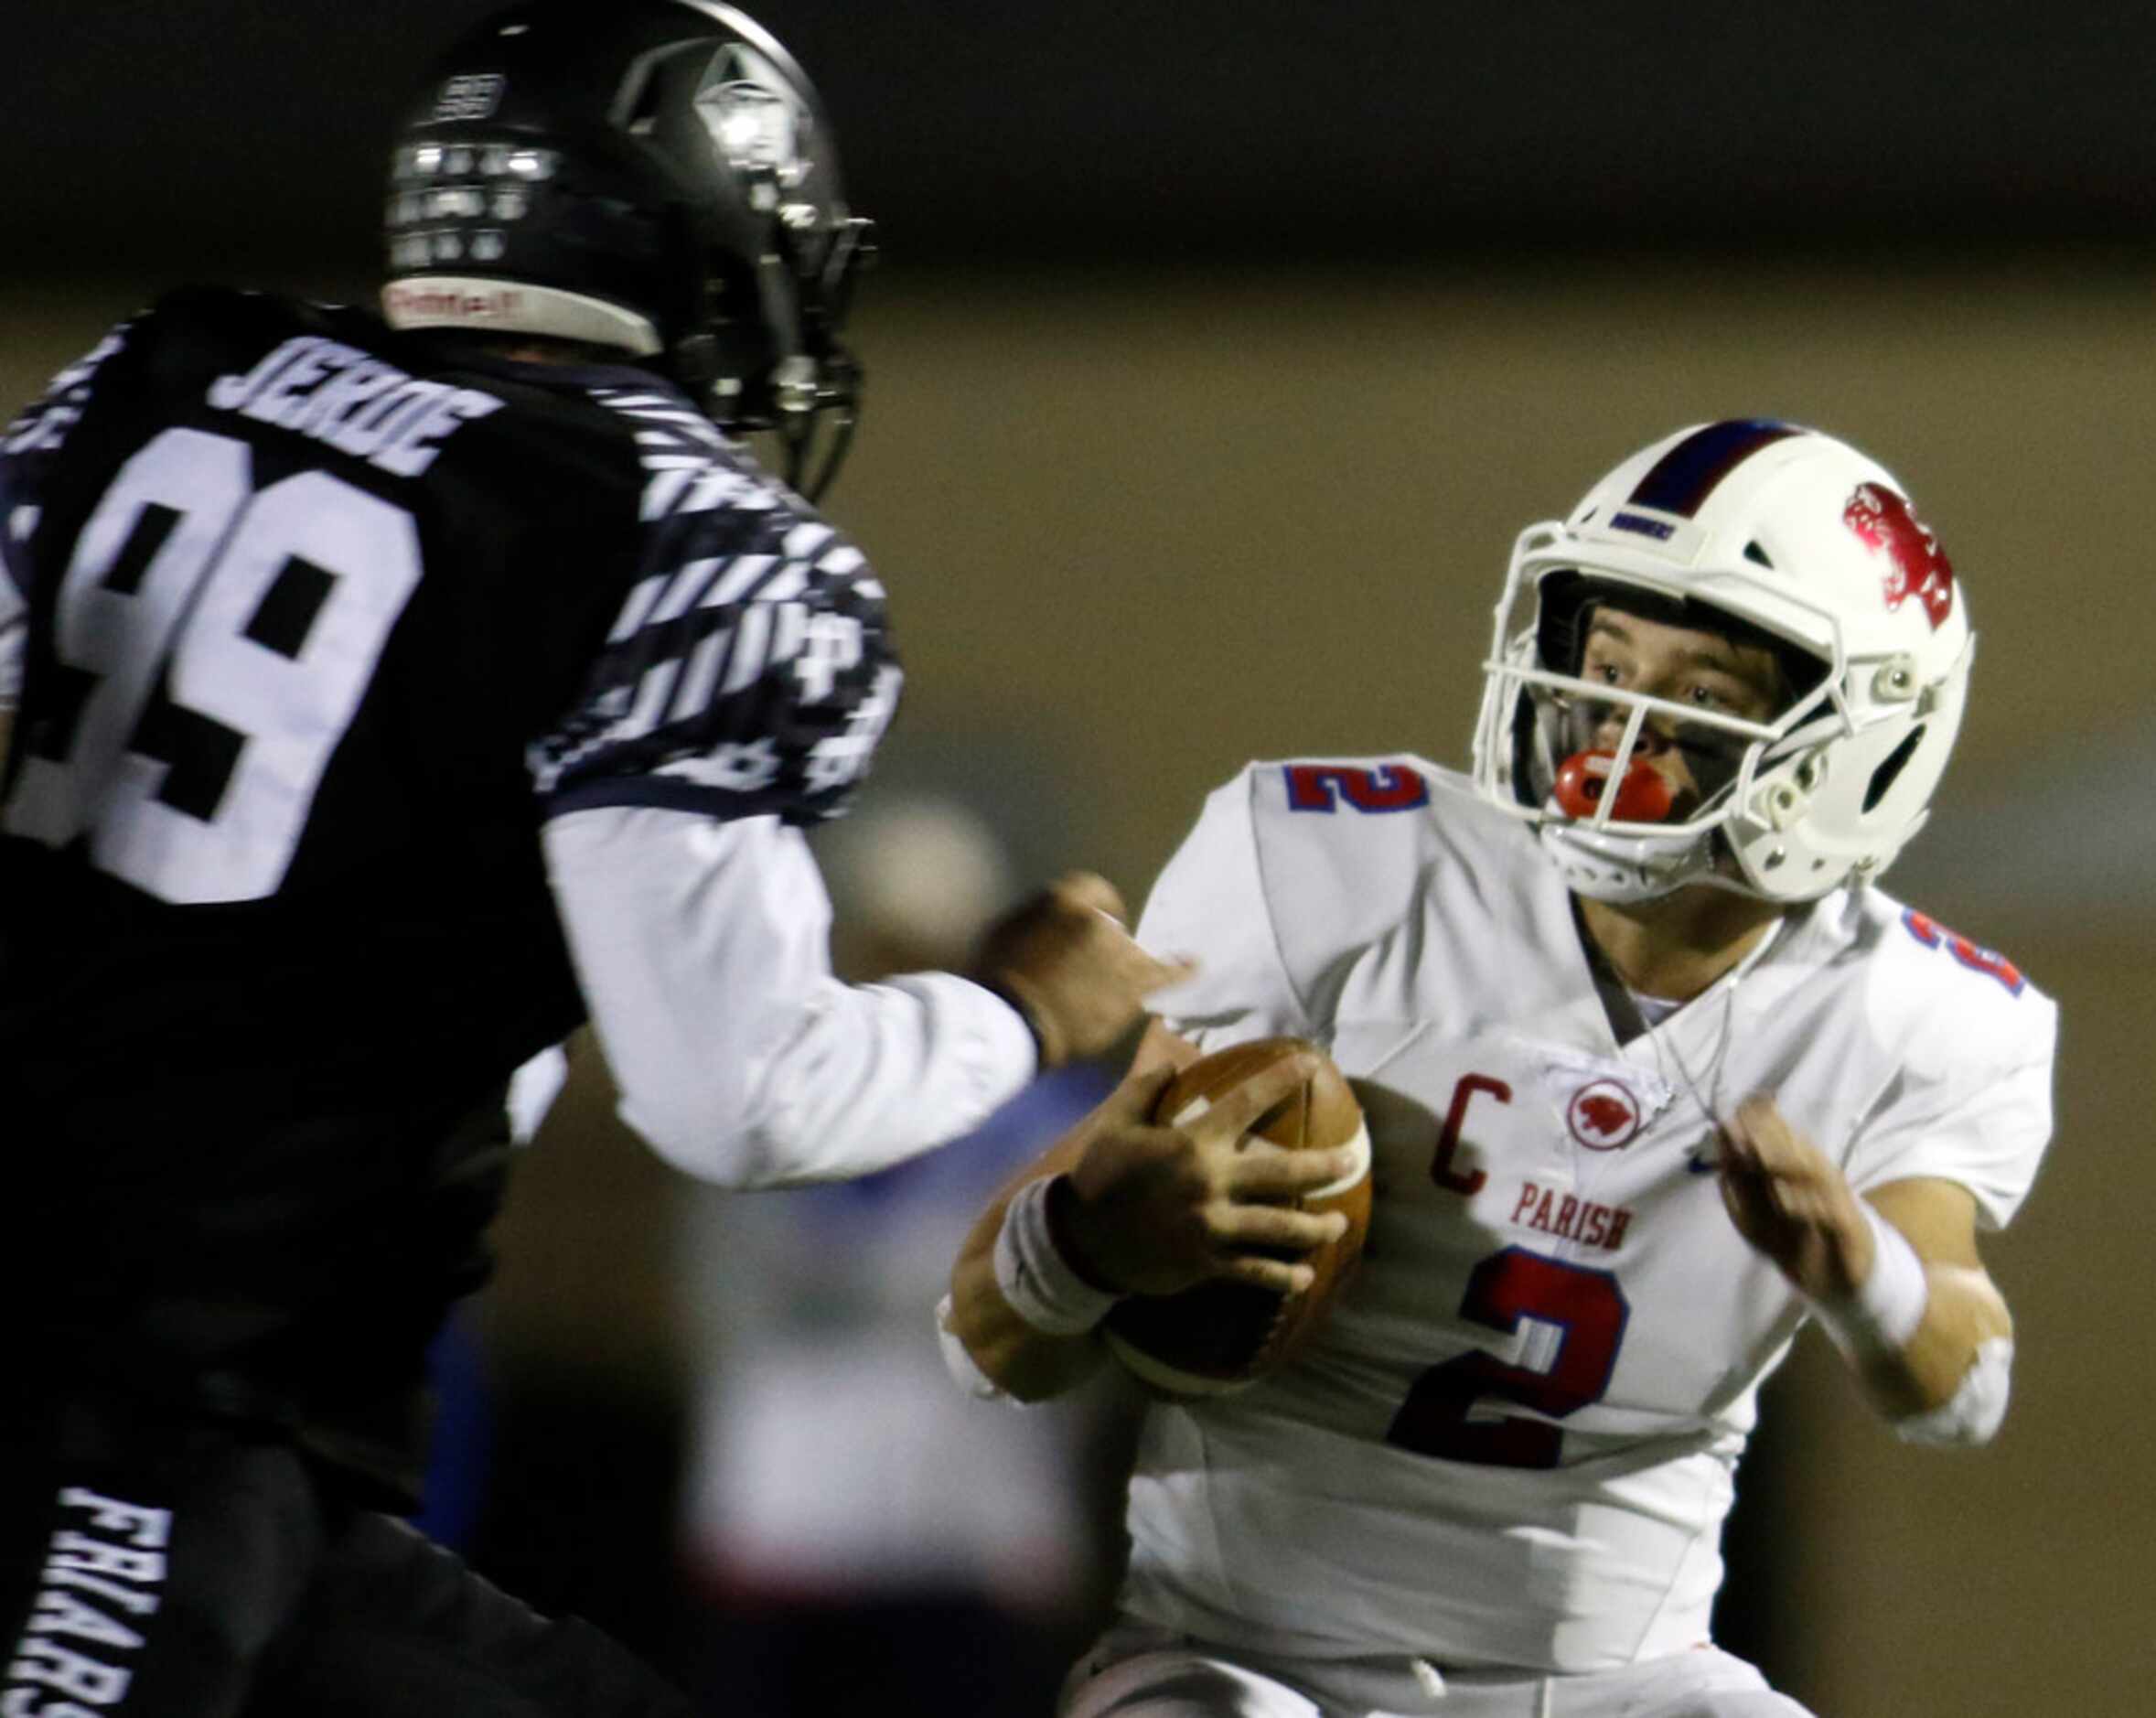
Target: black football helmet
{"type": "Point", "coordinates": [654, 176]}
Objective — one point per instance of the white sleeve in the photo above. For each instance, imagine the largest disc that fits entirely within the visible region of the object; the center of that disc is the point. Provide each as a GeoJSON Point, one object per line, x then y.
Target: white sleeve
{"type": "Point", "coordinates": [1971, 1104]}
{"type": "Point", "coordinates": [702, 950]}
{"type": "Point", "coordinates": [1211, 904]}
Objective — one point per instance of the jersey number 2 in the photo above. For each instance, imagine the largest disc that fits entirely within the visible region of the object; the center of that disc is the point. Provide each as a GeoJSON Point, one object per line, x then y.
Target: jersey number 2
{"type": "Point", "coordinates": [1589, 1312]}
{"type": "Point", "coordinates": [260, 613]}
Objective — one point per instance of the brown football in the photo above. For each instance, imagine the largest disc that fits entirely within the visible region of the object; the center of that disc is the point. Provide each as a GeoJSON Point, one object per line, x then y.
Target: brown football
{"type": "Point", "coordinates": [1220, 1335]}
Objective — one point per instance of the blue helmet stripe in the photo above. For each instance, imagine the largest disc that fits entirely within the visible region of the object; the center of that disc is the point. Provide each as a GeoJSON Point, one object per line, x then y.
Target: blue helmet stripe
{"type": "Point", "coordinates": [1682, 480]}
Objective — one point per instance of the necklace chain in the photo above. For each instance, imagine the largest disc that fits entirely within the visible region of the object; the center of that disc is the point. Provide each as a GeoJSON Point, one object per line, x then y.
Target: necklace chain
{"type": "Point", "coordinates": [1666, 1054]}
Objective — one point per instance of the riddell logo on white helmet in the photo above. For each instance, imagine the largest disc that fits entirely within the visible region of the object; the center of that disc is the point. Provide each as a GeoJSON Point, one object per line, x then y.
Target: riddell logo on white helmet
{"type": "Point", "coordinates": [438, 304]}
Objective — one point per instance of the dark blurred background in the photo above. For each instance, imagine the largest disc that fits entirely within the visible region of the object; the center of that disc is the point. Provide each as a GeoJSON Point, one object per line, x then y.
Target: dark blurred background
{"type": "Point", "coordinates": [1102, 134]}
{"type": "Point", "coordinates": [1217, 353]}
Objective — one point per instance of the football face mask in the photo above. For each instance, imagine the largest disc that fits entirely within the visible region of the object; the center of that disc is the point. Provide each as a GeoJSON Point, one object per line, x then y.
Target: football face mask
{"type": "Point", "coordinates": [1672, 700]}
{"type": "Point", "coordinates": [1650, 722]}
{"type": "Point", "coordinates": [1740, 663]}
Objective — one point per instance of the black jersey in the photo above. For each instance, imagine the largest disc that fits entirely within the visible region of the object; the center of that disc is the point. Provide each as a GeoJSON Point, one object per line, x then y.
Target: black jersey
{"type": "Point", "coordinates": [324, 622]}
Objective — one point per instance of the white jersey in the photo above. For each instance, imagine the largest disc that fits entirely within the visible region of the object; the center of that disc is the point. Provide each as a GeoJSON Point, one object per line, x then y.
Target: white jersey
{"type": "Point", "coordinates": [1514, 1440]}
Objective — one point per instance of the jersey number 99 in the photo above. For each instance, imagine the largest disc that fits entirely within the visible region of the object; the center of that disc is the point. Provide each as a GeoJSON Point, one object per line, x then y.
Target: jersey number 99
{"type": "Point", "coordinates": [262, 613]}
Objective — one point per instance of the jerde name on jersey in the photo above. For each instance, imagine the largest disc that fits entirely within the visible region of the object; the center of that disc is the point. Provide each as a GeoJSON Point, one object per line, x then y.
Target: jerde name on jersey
{"type": "Point", "coordinates": [355, 403]}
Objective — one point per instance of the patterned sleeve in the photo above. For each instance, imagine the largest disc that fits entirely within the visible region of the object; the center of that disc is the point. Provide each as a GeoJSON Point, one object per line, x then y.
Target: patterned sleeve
{"type": "Point", "coordinates": [12, 611]}
{"type": "Point", "coordinates": [44, 424]}
{"type": "Point", "coordinates": [11, 644]}
{"type": "Point", "coordinates": [25, 446]}
{"type": "Point", "coordinates": [750, 670]}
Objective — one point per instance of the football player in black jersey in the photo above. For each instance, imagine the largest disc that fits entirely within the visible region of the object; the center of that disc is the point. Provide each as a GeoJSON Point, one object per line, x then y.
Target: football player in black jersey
{"type": "Point", "coordinates": [396, 695]}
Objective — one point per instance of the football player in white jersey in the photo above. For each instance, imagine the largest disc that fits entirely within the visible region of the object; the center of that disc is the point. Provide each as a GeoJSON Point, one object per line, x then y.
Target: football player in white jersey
{"type": "Point", "coordinates": [1654, 1072]}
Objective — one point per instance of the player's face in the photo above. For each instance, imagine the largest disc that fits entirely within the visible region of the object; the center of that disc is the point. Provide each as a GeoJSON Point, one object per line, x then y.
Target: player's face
{"type": "Point", "coordinates": [1699, 669]}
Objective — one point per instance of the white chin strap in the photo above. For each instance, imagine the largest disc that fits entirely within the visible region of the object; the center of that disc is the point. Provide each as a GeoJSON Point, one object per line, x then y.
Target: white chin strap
{"type": "Point", "coordinates": [501, 306]}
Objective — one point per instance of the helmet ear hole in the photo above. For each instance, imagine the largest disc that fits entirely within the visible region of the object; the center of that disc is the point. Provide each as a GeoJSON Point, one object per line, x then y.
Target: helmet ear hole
{"type": "Point", "coordinates": [1891, 767]}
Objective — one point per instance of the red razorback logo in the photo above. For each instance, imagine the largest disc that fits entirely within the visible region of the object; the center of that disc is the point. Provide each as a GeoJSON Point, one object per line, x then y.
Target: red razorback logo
{"type": "Point", "coordinates": [1603, 1116]}
{"type": "Point", "coordinates": [1885, 521]}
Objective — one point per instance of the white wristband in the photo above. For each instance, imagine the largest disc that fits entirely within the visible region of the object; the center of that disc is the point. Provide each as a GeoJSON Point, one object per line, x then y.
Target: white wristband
{"type": "Point", "coordinates": [959, 1361]}
{"type": "Point", "coordinates": [1971, 1415]}
{"type": "Point", "coordinates": [1882, 1314]}
{"type": "Point", "coordinates": [1036, 1278]}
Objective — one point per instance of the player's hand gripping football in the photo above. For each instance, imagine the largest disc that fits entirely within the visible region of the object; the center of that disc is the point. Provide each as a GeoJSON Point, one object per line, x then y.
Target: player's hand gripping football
{"type": "Point", "coordinates": [1789, 1200]}
{"type": "Point", "coordinates": [1073, 970]}
{"type": "Point", "coordinates": [1156, 1209]}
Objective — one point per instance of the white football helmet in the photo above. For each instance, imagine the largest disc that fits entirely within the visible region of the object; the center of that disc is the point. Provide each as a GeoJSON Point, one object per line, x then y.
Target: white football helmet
{"type": "Point", "coordinates": [1780, 536]}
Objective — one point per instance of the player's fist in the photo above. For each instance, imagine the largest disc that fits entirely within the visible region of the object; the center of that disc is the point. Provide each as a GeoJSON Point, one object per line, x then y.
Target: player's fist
{"type": "Point", "coordinates": [1157, 1207]}
{"type": "Point", "coordinates": [1789, 1200]}
{"type": "Point", "coordinates": [1066, 961]}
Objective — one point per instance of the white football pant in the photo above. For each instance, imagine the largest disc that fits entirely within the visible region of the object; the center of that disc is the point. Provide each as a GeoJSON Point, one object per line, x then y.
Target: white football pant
{"type": "Point", "coordinates": [1139, 1672]}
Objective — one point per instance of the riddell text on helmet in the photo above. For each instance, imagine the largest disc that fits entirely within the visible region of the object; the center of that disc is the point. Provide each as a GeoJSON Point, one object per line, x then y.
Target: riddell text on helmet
{"type": "Point", "coordinates": [465, 306]}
